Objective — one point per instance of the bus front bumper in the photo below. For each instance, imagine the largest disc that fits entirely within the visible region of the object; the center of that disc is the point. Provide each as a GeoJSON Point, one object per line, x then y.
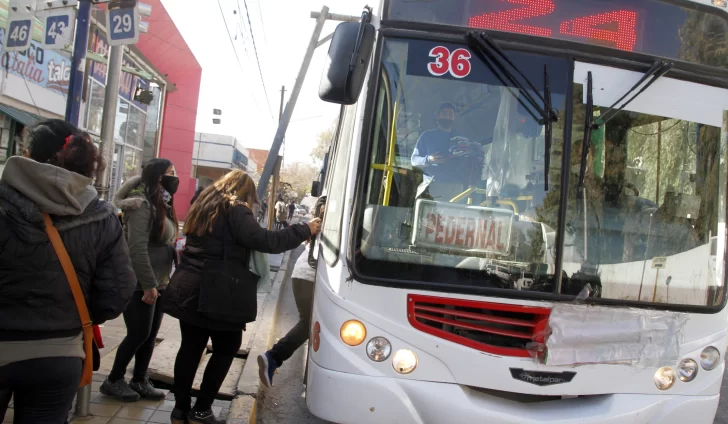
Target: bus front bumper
{"type": "Point", "coordinates": [350, 399]}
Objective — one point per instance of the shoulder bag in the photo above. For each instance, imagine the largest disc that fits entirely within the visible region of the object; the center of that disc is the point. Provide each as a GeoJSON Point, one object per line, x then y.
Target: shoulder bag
{"type": "Point", "coordinates": [88, 331]}
{"type": "Point", "coordinates": [229, 291]}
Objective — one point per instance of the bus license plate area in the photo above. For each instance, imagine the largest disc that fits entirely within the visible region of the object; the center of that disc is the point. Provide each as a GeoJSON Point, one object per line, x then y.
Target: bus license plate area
{"type": "Point", "coordinates": [455, 228]}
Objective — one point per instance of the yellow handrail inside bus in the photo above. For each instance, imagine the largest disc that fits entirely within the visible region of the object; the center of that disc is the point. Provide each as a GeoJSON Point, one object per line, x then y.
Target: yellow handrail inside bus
{"type": "Point", "coordinates": [390, 157]}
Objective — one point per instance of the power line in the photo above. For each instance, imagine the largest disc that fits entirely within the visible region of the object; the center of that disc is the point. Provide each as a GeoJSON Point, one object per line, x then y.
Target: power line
{"type": "Point", "coordinates": [257, 59]}
{"type": "Point", "coordinates": [236, 52]}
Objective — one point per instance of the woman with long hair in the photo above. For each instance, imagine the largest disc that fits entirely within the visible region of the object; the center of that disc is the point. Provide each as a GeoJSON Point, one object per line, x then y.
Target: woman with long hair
{"type": "Point", "coordinates": [219, 226]}
{"type": "Point", "coordinates": [151, 227]}
{"type": "Point", "coordinates": [41, 338]}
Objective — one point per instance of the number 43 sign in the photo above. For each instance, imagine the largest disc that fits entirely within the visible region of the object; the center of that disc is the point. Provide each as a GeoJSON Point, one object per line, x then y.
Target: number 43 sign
{"type": "Point", "coordinates": [58, 24]}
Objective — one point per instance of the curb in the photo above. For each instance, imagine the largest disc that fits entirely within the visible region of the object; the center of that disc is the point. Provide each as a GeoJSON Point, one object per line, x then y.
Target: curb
{"type": "Point", "coordinates": [243, 409]}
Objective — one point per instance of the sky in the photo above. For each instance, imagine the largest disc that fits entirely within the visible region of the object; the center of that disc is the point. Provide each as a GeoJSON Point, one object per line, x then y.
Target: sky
{"type": "Point", "coordinates": [281, 30]}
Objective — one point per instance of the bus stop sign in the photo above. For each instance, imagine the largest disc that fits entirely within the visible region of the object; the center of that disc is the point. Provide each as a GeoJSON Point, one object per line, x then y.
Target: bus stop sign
{"type": "Point", "coordinates": [123, 25]}
{"type": "Point", "coordinates": [21, 14]}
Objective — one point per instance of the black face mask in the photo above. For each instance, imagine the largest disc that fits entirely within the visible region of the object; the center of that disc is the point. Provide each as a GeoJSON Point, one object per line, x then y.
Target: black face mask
{"type": "Point", "coordinates": [170, 183]}
{"type": "Point", "coordinates": [446, 123]}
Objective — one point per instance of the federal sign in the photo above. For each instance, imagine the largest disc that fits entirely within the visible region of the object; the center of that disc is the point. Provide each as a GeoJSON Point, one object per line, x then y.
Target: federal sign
{"type": "Point", "coordinates": [462, 228]}
{"type": "Point", "coordinates": [123, 25]}
{"type": "Point", "coordinates": [21, 14]}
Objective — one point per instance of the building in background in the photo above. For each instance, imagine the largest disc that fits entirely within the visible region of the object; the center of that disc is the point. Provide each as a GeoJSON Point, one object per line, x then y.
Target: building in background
{"type": "Point", "coordinates": [215, 155]}
{"type": "Point", "coordinates": [259, 156]}
{"type": "Point", "coordinates": [35, 86]}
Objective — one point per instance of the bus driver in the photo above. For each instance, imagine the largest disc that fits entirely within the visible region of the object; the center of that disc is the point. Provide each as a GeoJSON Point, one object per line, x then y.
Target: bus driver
{"type": "Point", "coordinates": [449, 161]}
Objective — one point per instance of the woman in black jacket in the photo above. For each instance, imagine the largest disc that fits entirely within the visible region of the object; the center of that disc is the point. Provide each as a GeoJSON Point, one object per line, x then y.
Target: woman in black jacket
{"type": "Point", "coordinates": [224, 205]}
{"type": "Point", "coordinates": [41, 343]}
{"type": "Point", "coordinates": [151, 229]}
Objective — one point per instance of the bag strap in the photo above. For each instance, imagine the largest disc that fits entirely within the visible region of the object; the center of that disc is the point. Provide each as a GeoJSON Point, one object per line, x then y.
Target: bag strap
{"type": "Point", "coordinates": [75, 286]}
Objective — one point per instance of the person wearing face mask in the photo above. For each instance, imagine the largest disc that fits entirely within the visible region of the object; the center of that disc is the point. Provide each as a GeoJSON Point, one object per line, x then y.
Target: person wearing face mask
{"type": "Point", "coordinates": [150, 227]}
{"type": "Point", "coordinates": [437, 154]}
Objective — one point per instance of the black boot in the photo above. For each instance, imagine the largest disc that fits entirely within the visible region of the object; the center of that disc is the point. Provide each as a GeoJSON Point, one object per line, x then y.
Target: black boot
{"type": "Point", "coordinates": [203, 417]}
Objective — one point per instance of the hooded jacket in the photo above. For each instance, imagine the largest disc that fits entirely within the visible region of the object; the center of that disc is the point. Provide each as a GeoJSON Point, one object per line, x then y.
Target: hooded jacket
{"type": "Point", "coordinates": [35, 299]}
{"type": "Point", "coordinates": [151, 258]}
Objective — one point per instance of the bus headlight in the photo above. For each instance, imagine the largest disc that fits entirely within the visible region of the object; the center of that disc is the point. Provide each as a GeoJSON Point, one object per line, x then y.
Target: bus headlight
{"type": "Point", "coordinates": [353, 332]}
{"type": "Point", "coordinates": [709, 358]}
{"type": "Point", "coordinates": [664, 378]}
{"type": "Point", "coordinates": [378, 349]}
{"type": "Point", "coordinates": [687, 370]}
{"type": "Point", "coordinates": [404, 361]}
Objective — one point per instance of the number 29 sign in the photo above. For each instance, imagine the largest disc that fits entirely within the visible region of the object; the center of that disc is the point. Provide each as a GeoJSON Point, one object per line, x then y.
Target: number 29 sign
{"type": "Point", "coordinates": [123, 25]}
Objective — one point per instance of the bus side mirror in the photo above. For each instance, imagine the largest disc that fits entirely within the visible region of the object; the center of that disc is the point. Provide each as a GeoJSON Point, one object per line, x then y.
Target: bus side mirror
{"type": "Point", "coordinates": [347, 62]}
{"type": "Point", "coordinates": [315, 189]}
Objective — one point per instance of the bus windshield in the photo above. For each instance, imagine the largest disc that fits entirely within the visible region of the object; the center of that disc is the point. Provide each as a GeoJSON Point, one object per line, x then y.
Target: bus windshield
{"type": "Point", "coordinates": [459, 195]}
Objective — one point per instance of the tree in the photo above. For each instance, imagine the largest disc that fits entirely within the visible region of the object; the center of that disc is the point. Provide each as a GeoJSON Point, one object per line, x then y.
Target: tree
{"type": "Point", "coordinates": [323, 141]}
{"type": "Point", "coordinates": [296, 180]}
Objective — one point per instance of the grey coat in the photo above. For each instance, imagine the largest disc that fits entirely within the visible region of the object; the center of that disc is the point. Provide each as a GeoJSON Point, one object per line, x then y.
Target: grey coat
{"type": "Point", "coordinates": [152, 260]}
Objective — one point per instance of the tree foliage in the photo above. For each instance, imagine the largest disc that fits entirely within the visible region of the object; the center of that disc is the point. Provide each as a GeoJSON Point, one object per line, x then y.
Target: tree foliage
{"type": "Point", "coordinates": [296, 180]}
{"type": "Point", "coordinates": [323, 141]}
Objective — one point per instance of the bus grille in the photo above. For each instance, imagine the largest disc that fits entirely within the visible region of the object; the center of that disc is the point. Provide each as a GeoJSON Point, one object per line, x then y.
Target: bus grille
{"type": "Point", "coordinates": [496, 328]}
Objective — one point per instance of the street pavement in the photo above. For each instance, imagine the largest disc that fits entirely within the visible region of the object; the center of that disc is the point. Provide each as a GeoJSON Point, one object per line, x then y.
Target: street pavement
{"type": "Point", "coordinates": [284, 402]}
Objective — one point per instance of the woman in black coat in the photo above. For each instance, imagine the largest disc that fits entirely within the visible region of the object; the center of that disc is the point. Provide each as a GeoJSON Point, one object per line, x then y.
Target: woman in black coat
{"type": "Point", "coordinates": [222, 211]}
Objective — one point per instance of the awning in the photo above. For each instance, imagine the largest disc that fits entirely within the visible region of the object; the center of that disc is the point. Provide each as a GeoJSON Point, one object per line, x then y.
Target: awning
{"type": "Point", "coordinates": [21, 116]}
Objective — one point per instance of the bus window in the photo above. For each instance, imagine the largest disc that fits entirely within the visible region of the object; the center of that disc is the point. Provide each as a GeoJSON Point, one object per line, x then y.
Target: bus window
{"type": "Point", "coordinates": [469, 147]}
{"type": "Point", "coordinates": [642, 223]}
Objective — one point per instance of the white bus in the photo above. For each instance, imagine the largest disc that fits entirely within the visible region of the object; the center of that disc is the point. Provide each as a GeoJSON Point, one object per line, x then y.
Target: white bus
{"type": "Point", "coordinates": [526, 214]}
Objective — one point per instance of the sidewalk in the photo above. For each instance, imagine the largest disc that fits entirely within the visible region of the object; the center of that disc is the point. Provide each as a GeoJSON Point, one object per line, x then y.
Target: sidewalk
{"type": "Point", "coordinates": [107, 410]}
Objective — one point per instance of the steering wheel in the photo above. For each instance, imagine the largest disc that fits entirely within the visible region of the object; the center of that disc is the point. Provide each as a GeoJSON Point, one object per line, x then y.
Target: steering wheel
{"type": "Point", "coordinates": [633, 188]}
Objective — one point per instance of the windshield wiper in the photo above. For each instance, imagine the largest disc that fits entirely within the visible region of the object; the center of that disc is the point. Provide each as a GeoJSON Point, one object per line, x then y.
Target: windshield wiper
{"type": "Point", "coordinates": [496, 59]}
{"type": "Point", "coordinates": [548, 126]}
{"type": "Point", "coordinates": [588, 127]}
{"type": "Point", "coordinates": [656, 71]}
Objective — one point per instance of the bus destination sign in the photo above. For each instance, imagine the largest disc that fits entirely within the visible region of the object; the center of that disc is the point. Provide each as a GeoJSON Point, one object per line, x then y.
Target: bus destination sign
{"type": "Point", "coordinates": [462, 228]}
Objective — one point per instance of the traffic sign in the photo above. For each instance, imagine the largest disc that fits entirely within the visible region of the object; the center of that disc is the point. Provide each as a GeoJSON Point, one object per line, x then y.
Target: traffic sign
{"type": "Point", "coordinates": [20, 25]}
{"type": "Point", "coordinates": [58, 27]}
{"type": "Point", "coordinates": [123, 25]}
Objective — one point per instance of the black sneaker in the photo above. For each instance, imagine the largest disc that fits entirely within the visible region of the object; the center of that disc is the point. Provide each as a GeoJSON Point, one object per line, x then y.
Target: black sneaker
{"type": "Point", "coordinates": [119, 390]}
{"type": "Point", "coordinates": [204, 417]}
{"type": "Point", "coordinates": [147, 390]}
{"type": "Point", "coordinates": [178, 416]}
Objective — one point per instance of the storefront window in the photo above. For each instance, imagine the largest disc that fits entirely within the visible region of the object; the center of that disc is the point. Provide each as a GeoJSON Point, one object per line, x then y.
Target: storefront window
{"type": "Point", "coordinates": [122, 115]}
{"type": "Point", "coordinates": [135, 127]}
{"type": "Point", "coordinates": [132, 163]}
{"type": "Point", "coordinates": [152, 125]}
{"type": "Point", "coordinates": [95, 107]}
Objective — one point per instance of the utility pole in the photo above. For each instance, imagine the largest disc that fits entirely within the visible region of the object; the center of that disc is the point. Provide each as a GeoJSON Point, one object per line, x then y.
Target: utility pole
{"type": "Point", "coordinates": [78, 63]}
{"type": "Point", "coordinates": [288, 111]}
{"type": "Point", "coordinates": [111, 101]}
{"type": "Point", "coordinates": [276, 171]}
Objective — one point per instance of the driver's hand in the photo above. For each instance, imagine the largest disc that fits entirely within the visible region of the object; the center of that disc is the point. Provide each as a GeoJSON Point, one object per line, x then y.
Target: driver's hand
{"type": "Point", "coordinates": [436, 158]}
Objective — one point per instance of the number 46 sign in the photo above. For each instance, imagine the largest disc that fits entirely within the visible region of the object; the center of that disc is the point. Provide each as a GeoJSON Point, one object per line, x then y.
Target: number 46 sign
{"type": "Point", "coordinates": [21, 15]}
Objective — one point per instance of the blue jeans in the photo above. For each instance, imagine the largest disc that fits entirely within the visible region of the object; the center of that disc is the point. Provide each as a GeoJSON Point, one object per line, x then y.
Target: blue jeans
{"type": "Point", "coordinates": [43, 388]}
